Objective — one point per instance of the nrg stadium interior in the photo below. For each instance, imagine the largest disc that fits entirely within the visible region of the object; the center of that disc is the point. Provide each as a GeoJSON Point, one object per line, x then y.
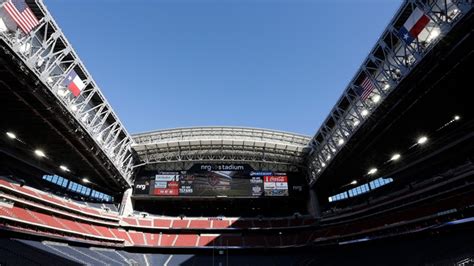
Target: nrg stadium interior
{"type": "Point", "coordinates": [390, 171]}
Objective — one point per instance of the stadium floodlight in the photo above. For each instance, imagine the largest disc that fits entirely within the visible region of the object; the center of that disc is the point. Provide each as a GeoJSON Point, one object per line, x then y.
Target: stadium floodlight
{"type": "Point", "coordinates": [85, 180]}
{"type": "Point", "coordinates": [356, 122]}
{"type": "Point", "coordinates": [328, 158]}
{"type": "Point", "coordinates": [40, 153]}
{"type": "Point", "coordinates": [11, 135]}
{"type": "Point", "coordinates": [386, 86]}
{"type": "Point", "coordinates": [340, 141]}
{"type": "Point", "coordinates": [64, 168]}
{"type": "Point", "coordinates": [422, 140]}
{"type": "Point", "coordinates": [364, 112]}
{"type": "Point", "coordinates": [62, 92]}
{"type": "Point", "coordinates": [434, 34]}
{"type": "Point", "coordinates": [354, 182]}
{"type": "Point", "coordinates": [457, 117]}
{"type": "Point", "coordinates": [376, 98]}
{"type": "Point", "coordinates": [395, 157]}
{"type": "Point", "coordinates": [372, 171]}
{"type": "Point", "coordinates": [323, 164]}
{"type": "Point", "coordinates": [84, 117]}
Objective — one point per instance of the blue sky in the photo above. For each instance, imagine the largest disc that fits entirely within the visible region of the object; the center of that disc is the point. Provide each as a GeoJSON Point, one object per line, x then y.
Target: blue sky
{"type": "Point", "coordinates": [278, 64]}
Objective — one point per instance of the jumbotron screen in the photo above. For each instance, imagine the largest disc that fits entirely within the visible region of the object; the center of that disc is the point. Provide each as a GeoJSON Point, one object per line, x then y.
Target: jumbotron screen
{"type": "Point", "coordinates": [226, 180]}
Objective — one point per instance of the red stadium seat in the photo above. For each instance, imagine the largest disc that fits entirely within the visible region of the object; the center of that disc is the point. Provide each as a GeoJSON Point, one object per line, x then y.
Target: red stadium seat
{"type": "Point", "coordinates": [130, 220]}
{"type": "Point", "coordinates": [167, 240]}
{"type": "Point", "coordinates": [186, 240]}
{"type": "Point", "coordinates": [137, 238]}
{"type": "Point", "coordinates": [207, 239]}
{"type": "Point", "coordinates": [221, 223]}
{"type": "Point", "coordinates": [145, 222]}
{"type": "Point", "coordinates": [180, 223]}
{"type": "Point", "coordinates": [162, 223]}
{"type": "Point", "coordinates": [200, 224]}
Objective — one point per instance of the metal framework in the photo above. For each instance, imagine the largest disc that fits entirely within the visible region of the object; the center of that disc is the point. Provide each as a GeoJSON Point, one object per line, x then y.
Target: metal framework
{"type": "Point", "coordinates": [388, 63]}
{"type": "Point", "coordinates": [178, 148]}
{"type": "Point", "coordinates": [47, 53]}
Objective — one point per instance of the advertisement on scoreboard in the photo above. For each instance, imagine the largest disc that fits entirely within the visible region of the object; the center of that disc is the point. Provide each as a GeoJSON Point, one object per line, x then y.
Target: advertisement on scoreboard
{"type": "Point", "coordinates": [276, 185]}
{"type": "Point", "coordinates": [166, 184]}
{"type": "Point", "coordinates": [142, 187]}
{"type": "Point", "coordinates": [219, 180]}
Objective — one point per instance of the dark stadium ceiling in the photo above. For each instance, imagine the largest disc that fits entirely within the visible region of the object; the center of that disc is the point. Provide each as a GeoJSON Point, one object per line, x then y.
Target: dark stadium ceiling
{"type": "Point", "coordinates": [39, 123]}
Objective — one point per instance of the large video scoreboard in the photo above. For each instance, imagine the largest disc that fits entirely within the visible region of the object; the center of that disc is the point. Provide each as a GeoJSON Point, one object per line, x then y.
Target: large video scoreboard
{"type": "Point", "coordinates": [219, 180]}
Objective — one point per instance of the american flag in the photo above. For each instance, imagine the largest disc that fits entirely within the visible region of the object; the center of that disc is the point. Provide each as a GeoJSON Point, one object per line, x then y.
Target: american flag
{"type": "Point", "coordinates": [21, 14]}
{"type": "Point", "coordinates": [366, 87]}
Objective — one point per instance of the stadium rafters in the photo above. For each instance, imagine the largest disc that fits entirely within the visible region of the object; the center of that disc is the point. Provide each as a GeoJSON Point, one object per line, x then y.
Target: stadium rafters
{"type": "Point", "coordinates": [393, 58]}
{"type": "Point", "coordinates": [265, 149]}
{"type": "Point", "coordinates": [46, 53]}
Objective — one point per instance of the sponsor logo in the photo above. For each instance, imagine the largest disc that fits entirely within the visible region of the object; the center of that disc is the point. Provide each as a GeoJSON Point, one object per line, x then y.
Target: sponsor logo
{"type": "Point", "coordinates": [186, 190]}
{"type": "Point", "coordinates": [140, 187]}
{"type": "Point", "coordinates": [222, 167]}
{"type": "Point", "coordinates": [256, 180]}
{"type": "Point", "coordinates": [173, 184]}
{"type": "Point", "coordinates": [269, 185]}
{"type": "Point", "coordinates": [166, 191]}
{"type": "Point", "coordinates": [256, 191]}
{"type": "Point", "coordinates": [298, 188]}
{"type": "Point", "coordinates": [260, 173]}
{"type": "Point", "coordinates": [276, 192]}
{"type": "Point", "coordinates": [275, 179]}
{"type": "Point", "coordinates": [160, 184]}
{"type": "Point", "coordinates": [166, 177]}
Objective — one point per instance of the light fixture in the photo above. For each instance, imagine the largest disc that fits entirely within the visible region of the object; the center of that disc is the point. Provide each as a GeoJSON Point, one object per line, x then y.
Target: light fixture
{"type": "Point", "coordinates": [40, 153]}
{"type": "Point", "coordinates": [11, 135]}
{"type": "Point", "coordinates": [49, 80]}
{"type": "Point", "coordinates": [364, 112]}
{"type": "Point", "coordinates": [62, 92]}
{"type": "Point", "coordinates": [64, 168]}
{"type": "Point", "coordinates": [372, 171]}
{"type": "Point", "coordinates": [386, 86]}
{"type": "Point", "coordinates": [434, 34]}
{"type": "Point", "coordinates": [340, 141]}
{"type": "Point", "coordinates": [376, 98]}
{"type": "Point", "coordinates": [323, 164]}
{"type": "Point", "coordinates": [354, 182]}
{"type": "Point", "coordinates": [84, 117]}
{"type": "Point", "coordinates": [328, 158]}
{"type": "Point", "coordinates": [73, 108]}
{"type": "Point", "coordinates": [422, 140]}
{"type": "Point", "coordinates": [395, 157]}
{"type": "Point", "coordinates": [457, 117]}
{"type": "Point", "coordinates": [356, 122]}
{"type": "Point", "coordinates": [85, 180]}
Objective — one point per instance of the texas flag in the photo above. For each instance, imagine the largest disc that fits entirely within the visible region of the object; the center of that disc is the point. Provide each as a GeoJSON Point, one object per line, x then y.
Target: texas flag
{"type": "Point", "coordinates": [415, 23]}
{"type": "Point", "coordinates": [74, 83]}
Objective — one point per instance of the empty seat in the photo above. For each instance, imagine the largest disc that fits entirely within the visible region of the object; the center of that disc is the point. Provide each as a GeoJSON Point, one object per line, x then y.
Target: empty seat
{"type": "Point", "coordinates": [186, 240]}
{"type": "Point", "coordinates": [200, 224]}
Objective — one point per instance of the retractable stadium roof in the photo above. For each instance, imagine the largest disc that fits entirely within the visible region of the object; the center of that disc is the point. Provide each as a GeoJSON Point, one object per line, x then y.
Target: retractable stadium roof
{"type": "Point", "coordinates": [179, 148]}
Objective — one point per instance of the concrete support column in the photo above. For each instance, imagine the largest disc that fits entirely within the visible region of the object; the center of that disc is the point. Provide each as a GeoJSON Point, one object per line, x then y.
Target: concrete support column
{"type": "Point", "coordinates": [126, 206]}
{"type": "Point", "coordinates": [313, 204]}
